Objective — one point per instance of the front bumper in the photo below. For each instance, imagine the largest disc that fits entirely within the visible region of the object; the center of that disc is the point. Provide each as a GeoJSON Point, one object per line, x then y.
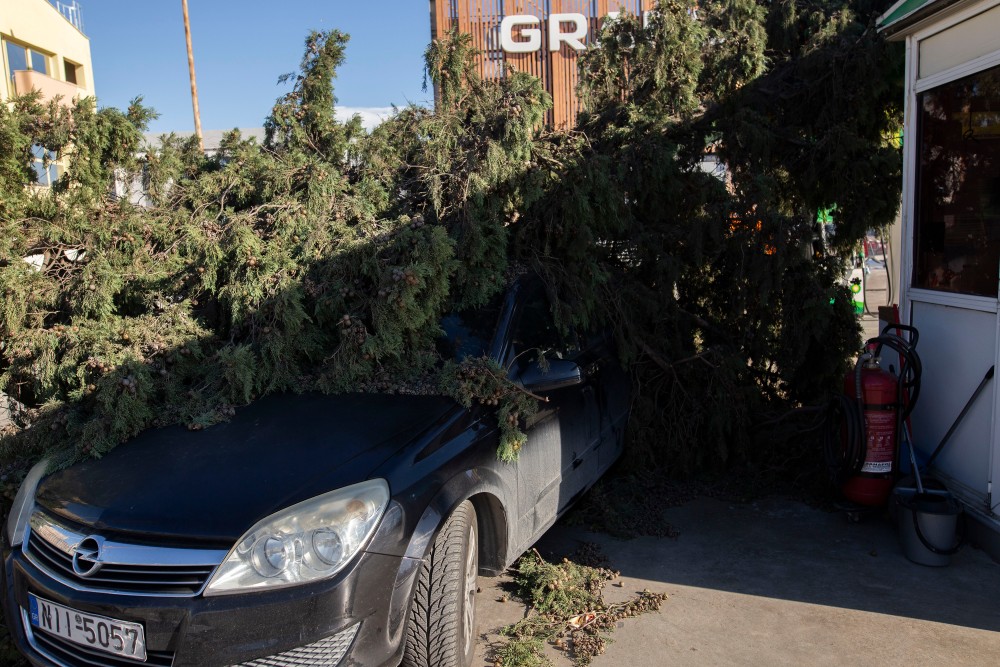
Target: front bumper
{"type": "Point", "coordinates": [363, 607]}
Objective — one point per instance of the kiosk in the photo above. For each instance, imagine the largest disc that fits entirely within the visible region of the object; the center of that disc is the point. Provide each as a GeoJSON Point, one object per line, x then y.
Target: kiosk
{"type": "Point", "coordinates": [950, 269]}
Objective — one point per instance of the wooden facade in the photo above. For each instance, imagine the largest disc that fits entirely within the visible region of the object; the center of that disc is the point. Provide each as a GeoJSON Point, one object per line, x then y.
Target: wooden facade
{"type": "Point", "coordinates": [557, 70]}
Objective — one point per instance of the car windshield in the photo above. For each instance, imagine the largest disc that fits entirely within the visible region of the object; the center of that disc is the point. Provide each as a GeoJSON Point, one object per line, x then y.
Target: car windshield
{"type": "Point", "coordinates": [469, 333]}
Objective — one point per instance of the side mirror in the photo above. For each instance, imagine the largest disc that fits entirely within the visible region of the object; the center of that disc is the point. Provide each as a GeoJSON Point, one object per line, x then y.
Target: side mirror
{"type": "Point", "coordinates": [559, 374]}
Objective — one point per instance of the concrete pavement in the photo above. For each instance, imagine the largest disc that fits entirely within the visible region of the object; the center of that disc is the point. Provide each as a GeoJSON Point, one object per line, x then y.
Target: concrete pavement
{"type": "Point", "coordinates": [776, 582]}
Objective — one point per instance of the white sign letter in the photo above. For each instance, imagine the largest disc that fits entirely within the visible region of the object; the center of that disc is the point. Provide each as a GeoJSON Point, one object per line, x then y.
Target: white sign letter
{"type": "Point", "coordinates": [575, 38]}
{"type": "Point", "coordinates": [534, 35]}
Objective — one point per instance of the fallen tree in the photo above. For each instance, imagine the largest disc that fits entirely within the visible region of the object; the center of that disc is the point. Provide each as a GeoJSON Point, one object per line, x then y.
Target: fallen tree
{"type": "Point", "coordinates": [324, 258]}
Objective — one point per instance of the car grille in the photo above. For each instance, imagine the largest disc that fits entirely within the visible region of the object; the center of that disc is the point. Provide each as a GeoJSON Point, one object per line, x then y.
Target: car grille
{"type": "Point", "coordinates": [126, 569]}
{"type": "Point", "coordinates": [68, 654]}
{"type": "Point", "coordinates": [324, 653]}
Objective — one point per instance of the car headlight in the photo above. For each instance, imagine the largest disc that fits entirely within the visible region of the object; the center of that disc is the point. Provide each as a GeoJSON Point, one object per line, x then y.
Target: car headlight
{"type": "Point", "coordinates": [24, 504]}
{"type": "Point", "coordinates": [306, 542]}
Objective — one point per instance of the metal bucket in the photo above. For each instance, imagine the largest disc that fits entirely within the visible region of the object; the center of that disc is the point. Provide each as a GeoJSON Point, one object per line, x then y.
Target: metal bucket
{"type": "Point", "coordinates": [928, 525]}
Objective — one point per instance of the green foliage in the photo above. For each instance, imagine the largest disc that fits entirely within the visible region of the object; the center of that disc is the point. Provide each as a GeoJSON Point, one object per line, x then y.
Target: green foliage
{"type": "Point", "coordinates": [566, 608]}
{"type": "Point", "coordinates": [563, 588]}
{"type": "Point", "coordinates": [484, 381]}
{"type": "Point", "coordinates": [713, 284]}
{"type": "Point", "coordinates": [656, 68]}
{"type": "Point", "coordinates": [325, 258]}
{"type": "Point", "coordinates": [521, 653]}
{"type": "Point", "coordinates": [303, 120]}
{"type": "Point", "coordinates": [280, 268]}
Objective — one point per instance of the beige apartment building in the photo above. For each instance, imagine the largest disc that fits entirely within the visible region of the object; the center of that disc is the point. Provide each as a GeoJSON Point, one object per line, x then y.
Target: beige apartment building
{"type": "Point", "coordinates": [43, 48]}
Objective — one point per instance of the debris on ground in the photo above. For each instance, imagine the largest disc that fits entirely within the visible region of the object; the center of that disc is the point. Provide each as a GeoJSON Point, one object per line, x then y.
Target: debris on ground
{"type": "Point", "coordinates": [567, 610]}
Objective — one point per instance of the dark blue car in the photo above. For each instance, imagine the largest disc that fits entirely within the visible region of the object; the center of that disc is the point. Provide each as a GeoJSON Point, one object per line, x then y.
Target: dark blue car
{"type": "Point", "coordinates": [312, 529]}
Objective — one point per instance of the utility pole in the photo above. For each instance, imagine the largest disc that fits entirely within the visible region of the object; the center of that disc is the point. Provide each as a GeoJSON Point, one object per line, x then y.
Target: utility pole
{"type": "Point", "coordinates": [194, 84]}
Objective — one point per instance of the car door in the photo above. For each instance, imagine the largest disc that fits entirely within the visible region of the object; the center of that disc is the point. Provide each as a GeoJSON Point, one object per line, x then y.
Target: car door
{"type": "Point", "coordinates": [559, 460]}
{"type": "Point", "coordinates": [613, 386]}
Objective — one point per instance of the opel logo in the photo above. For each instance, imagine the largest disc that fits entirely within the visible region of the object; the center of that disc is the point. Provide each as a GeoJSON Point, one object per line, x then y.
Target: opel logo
{"type": "Point", "coordinates": [87, 557]}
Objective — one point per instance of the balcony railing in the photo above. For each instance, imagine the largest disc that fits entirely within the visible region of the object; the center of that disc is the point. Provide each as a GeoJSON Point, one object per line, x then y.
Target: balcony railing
{"type": "Point", "coordinates": [27, 80]}
{"type": "Point", "coordinates": [72, 11]}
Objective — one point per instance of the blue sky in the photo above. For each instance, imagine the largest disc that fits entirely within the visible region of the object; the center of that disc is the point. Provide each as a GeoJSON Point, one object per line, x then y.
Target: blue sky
{"type": "Point", "coordinates": [240, 50]}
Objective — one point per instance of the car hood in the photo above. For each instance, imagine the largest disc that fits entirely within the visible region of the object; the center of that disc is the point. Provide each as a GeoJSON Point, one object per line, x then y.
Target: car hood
{"type": "Point", "coordinates": [211, 486]}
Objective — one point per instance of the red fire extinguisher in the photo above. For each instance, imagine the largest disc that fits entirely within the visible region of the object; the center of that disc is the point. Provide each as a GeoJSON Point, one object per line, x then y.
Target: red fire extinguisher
{"type": "Point", "coordinates": [876, 393]}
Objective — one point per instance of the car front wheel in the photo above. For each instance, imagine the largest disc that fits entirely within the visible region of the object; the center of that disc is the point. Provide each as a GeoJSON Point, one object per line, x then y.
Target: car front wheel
{"type": "Point", "coordinates": [442, 627]}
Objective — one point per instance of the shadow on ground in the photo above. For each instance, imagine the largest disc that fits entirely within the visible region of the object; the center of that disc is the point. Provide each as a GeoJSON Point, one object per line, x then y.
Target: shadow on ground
{"type": "Point", "coordinates": [777, 582]}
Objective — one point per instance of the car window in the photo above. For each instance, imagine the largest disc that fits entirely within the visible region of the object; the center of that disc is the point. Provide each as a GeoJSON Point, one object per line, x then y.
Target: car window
{"type": "Point", "coordinates": [469, 333]}
{"type": "Point", "coordinates": [535, 333]}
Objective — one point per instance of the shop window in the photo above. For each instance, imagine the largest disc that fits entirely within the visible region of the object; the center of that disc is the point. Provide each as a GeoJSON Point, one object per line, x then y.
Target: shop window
{"type": "Point", "coordinates": [44, 163]}
{"type": "Point", "coordinates": [957, 230]}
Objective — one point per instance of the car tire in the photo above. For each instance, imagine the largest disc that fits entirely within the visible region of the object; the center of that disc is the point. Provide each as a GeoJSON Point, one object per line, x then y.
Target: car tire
{"type": "Point", "coordinates": [442, 625]}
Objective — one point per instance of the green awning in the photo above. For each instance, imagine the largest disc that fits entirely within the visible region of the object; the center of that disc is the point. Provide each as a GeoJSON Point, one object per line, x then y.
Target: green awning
{"type": "Point", "coordinates": [899, 10]}
{"type": "Point", "coordinates": [908, 12]}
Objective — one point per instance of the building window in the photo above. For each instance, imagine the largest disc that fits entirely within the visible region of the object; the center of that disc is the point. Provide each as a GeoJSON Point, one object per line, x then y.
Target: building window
{"type": "Point", "coordinates": [21, 58]}
{"type": "Point", "coordinates": [70, 70]}
{"type": "Point", "coordinates": [957, 229]}
{"type": "Point", "coordinates": [43, 161]}
{"type": "Point", "coordinates": [17, 57]}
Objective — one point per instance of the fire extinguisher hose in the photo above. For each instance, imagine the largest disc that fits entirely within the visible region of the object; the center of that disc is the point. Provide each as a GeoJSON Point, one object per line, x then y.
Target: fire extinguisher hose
{"type": "Point", "coordinates": [910, 367]}
{"type": "Point", "coordinates": [845, 446]}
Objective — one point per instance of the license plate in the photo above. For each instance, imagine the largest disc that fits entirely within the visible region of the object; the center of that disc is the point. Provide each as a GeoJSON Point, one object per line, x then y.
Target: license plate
{"type": "Point", "coordinates": [97, 632]}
